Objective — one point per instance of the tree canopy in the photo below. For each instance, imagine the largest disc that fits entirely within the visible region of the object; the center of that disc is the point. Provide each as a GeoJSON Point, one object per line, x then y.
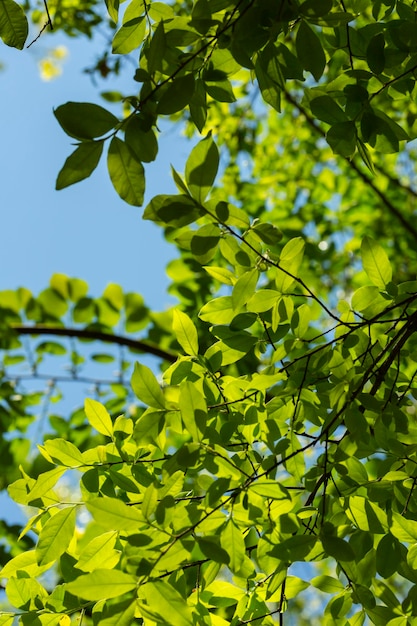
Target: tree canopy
{"type": "Point", "coordinates": [260, 466]}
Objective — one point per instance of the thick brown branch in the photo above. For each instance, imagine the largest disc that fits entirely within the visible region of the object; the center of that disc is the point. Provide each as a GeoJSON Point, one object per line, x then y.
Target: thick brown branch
{"type": "Point", "coordinates": [135, 344]}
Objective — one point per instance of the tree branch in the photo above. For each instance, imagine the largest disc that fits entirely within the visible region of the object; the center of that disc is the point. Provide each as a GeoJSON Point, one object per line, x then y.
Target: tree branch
{"type": "Point", "coordinates": [135, 344]}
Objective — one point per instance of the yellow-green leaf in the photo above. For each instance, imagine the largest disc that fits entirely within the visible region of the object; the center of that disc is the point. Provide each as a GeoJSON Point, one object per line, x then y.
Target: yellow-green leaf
{"type": "Point", "coordinates": [193, 410]}
{"type": "Point", "coordinates": [98, 417]}
{"type": "Point", "coordinates": [102, 584]}
{"type": "Point", "coordinates": [376, 263]}
{"type": "Point", "coordinates": [231, 540]}
{"type": "Point", "coordinates": [185, 332]}
{"type": "Point", "coordinates": [55, 536]}
{"type": "Point", "coordinates": [164, 604]}
{"type": "Point", "coordinates": [113, 514]}
{"type": "Point", "coordinates": [146, 387]}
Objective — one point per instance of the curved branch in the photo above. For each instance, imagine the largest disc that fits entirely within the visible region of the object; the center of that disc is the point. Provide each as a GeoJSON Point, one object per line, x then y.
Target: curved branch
{"type": "Point", "coordinates": [135, 344]}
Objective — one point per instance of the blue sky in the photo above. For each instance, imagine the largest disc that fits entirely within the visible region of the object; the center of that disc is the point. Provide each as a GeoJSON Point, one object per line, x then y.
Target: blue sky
{"type": "Point", "coordinates": [84, 230]}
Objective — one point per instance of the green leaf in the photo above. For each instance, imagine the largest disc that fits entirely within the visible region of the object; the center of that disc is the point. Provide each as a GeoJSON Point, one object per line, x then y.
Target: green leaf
{"type": "Point", "coordinates": [263, 300]}
{"type": "Point", "coordinates": [375, 54]}
{"type": "Point", "coordinates": [315, 8]}
{"type": "Point", "coordinates": [146, 387]}
{"type": "Point", "coordinates": [129, 36]}
{"type": "Point", "coordinates": [376, 263]}
{"type": "Point", "coordinates": [80, 164]}
{"type": "Point", "coordinates": [204, 242]}
{"type": "Point", "coordinates": [220, 90]}
{"type": "Point", "coordinates": [13, 24]}
{"type": "Point", "coordinates": [198, 105]}
{"type": "Point", "coordinates": [193, 410]}
{"type": "Point", "coordinates": [366, 515]}
{"type": "Point", "coordinates": [403, 529]}
{"type": "Point", "coordinates": [25, 561]}
{"type": "Point", "coordinates": [126, 172]}
{"type": "Point", "coordinates": [337, 548]}
{"type": "Point", "coordinates": [185, 332]}
{"type": "Point", "coordinates": [290, 261]}
{"type": "Point", "coordinates": [102, 584]}
{"type": "Point", "coordinates": [368, 298]}
{"type": "Point", "coordinates": [114, 613]}
{"type": "Point", "coordinates": [176, 96]}
{"type": "Point", "coordinates": [244, 288]}
{"type": "Point", "coordinates": [143, 144]}
{"type": "Point", "coordinates": [98, 417]}
{"type": "Point", "coordinates": [56, 536]}
{"type": "Point", "coordinates": [222, 274]}
{"type": "Point", "coordinates": [269, 74]}
{"type": "Point", "coordinates": [99, 553]}
{"type": "Point", "coordinates": [389, 557]}
{"type": "Point", "coordinates": [113, 514]}
{"type": "Point", "coordinates": [62, 452]}
{"type": "Point", "coordinates": [218, 311]}
{"type": "Point", "coordinates": [21, 592]}
{"type": "Point", "coordinates": [327, 110]}
{"type": "Point", "coordinates": [341, 137]}
{"type": "Point", "coordinates": [160, 601]}
{"type": "Point", "coordinates": [328, 584]}
{"type": "Point", "coordinates": [270, 489]}
{"type": "Point", "coordinates": [201, 168]}
{"type": "Point", "coordinates": [44, 483]}
{"type": "Point", "coordinates": [85, 121]}
{"type": "Point", "coordinates": [113, 9]}
{"type": "Point", "coordinates": [309, 50]}
{"type": "Point", "coordinates": [176, 211]}
{"type": "Point", "coordinates": [268, 233]}
{"type": "Point", "coordinates": [231, 540]}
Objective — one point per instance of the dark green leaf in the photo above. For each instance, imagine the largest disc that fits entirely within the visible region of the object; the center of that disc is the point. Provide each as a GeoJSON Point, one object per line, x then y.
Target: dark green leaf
{"type": "Point", "coordinates": [126, 172]}
{"type": "Point", "coordinates": [327, 110]}
{"type": "Point", "coordinates": [143, 144]}
{"type": "Point", "coordinates": [310, 52]}
{"type": "Point", "coordinates": [85, 121]}
{"type": "Point", "coordinates": [375, 54]}
{"type": "Point", "coordinates": [342, 138]}
{"type": "Point", "coordinates": [177, 95]}
{"type": "Point", "coordinates": [13, 24]}
{"type": "Point", "coordinates": [80, 164]}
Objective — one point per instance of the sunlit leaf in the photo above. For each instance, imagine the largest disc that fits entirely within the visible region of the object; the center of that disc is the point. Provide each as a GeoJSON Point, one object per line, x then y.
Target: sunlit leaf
{"type": "Point", "coordinates": [146, 387]}
{"type": "Point", "coordinates": [56, 536]}
{"type": "Point", "coordinates": [113, 514]}
{"type": "Point", "coordinates": [98, 417]}
{"type": "Point", "coordinates": [102, 584]}
{"type": "Point", "coordinates": [185, 332]}
{"type": "Point", "coordinates": [376, 263]}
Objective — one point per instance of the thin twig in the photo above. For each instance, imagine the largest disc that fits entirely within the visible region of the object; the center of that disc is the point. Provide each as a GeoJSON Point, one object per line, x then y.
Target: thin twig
{"type": "Point", "coordinates": [47, 23]}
